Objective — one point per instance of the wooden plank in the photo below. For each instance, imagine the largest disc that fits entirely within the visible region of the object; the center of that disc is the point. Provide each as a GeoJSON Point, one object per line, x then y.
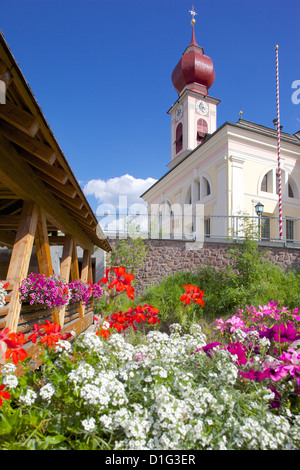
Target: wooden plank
{"type": "Point", "coordinates": [42, 246]}
{"type": "Point", "coordinates": [17, 175]}
{"type": "Point", "coordinates": [65, 268]}
{"type": "Point", "coordinates": [20, 259]}
{"type": "Point", "coordinates": [19, 118]}
{"type": "Point", "coordinates": [28, 143]}
{"type": "Point", "coordinates": [9, 222]}
{"type": "Point", "coordinates": [6, 194]}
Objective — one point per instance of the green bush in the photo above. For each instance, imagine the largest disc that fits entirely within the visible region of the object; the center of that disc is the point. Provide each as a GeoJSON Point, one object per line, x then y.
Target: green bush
{"type": "Point", "coordinates": [251, 279]}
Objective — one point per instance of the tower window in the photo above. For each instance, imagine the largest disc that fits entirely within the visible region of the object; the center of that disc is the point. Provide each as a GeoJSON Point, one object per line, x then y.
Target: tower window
{"type": "Point", "coordinates": [202, 129]}
{"type": "Point", "coordinates": [179, 138]}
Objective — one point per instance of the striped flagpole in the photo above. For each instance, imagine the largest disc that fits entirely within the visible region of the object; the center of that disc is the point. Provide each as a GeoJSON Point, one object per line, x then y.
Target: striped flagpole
{"type": "Point", "coordinates": [278, 145]}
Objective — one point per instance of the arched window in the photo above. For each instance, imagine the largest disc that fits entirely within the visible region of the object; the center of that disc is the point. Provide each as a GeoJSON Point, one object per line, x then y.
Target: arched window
{"type": "Point", "coordinates": [179, 138]}
{"type": "Point", "coordinates": [270, 184]}
{"type": "Point", "coordinates": [202, 129]}
{"type": "Point", "coordinates": [206, 188]}
{"type": "Point", "coordinates": [292, 188]}
{"type": "Point", "coordinates": [267, 182]}
{"type": "Point", "coordinates": [188, 196]}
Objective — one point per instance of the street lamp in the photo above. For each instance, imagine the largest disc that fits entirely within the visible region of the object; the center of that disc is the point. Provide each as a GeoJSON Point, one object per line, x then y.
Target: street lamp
{"type": "Point", "coordinates": [259, 208]}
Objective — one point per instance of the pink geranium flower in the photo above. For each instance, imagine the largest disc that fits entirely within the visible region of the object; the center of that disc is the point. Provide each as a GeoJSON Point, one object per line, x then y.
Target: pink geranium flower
{"type": "Point", "coordinates": [236, 322]}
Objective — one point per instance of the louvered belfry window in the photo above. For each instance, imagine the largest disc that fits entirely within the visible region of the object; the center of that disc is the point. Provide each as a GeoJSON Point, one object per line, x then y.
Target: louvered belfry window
{"type": "Point", "coordinates": [179, 138]}
{"type": "Point", "coordinates": [202, 129]}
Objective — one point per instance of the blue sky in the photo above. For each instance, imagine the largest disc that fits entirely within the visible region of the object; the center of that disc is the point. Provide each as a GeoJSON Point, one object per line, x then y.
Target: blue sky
{"type": "Point", "coordinates": [101, 72]}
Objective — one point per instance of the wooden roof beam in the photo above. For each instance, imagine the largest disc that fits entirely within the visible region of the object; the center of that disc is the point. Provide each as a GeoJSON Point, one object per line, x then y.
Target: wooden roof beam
{"type": "Point", "coordinates": [17, 175]}
{"type": "Point", "coordinates": [28, 143]}
{"type": "Point", "coordinates": [53, 171]}
{"type": "Point", "coordinates": [64, 189]}
{"type": "Point", "coordinates": [19, 118]}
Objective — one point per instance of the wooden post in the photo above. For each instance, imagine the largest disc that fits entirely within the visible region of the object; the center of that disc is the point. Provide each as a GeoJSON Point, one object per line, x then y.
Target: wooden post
{"type": "Point", "coordinates": [75, 276]}
{"type": "Point", "coordinates": [90, 273]}
{"type": "Point", "coordinates": [65, 268]}
{"type": "Point", "coordinates": [20, 260]}
{"type": "Point", "coordinates": [42, 246]}
{"type": "Point", "coordinates": [85, 270]}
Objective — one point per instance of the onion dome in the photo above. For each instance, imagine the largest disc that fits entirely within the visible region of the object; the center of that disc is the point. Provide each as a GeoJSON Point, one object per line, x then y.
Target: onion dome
{"type": "Point", "coordinates": [194, 70]}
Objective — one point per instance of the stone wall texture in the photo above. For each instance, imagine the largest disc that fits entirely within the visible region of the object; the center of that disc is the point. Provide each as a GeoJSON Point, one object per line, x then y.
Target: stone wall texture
{"type": "Point", "coordinates": [166, 257]}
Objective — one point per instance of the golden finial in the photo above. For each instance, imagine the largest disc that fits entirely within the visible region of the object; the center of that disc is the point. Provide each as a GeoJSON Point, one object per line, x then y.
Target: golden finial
{"type": "Point", "coordinates": [241, 113]}
{"type": "Point", "coordinates": [193, 13]}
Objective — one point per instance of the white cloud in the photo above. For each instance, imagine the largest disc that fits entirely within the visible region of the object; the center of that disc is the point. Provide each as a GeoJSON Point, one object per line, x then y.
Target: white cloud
{"type": "Point", "coordinates": [109, 192]}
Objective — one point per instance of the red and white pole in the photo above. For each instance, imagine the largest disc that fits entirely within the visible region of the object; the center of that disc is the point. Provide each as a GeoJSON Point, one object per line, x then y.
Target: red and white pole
{"type": "Point", "coordinates": [278, 146]}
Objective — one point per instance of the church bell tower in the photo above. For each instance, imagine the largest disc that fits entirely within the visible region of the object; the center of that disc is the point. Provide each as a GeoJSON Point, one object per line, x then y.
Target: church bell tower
{"type": "Point", "coordinates": [195, 112]}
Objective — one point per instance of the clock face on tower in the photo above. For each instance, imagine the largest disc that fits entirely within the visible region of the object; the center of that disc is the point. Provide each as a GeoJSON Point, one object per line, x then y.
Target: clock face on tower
{"type": "Point", "coordinates": [179, 112]}
{"type": "Point", "coordinates": [202, 107]}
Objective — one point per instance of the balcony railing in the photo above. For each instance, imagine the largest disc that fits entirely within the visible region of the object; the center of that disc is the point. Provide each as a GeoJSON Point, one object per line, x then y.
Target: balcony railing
{"type": "Point", "coordinates": [201, 227]}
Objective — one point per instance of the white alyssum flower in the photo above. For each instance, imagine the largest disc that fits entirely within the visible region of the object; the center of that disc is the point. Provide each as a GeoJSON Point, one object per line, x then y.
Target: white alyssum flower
{"type": "Point", "coordinates": [8, 368]}
{"type": "Point", "coordinates": [29, 398]}
{"type": "Point", "coordinates": [63, 346]}
{"type": "Point", "coordinates": [11, 381]}
{"type": "Point", "coordinates": [90, 340]}
{"type": "Point", "coordinates": [89, 424]}
{"type": "Point", "coordinates": [47, 391]}
{"type": "Point", "coordinates": [83, 372]}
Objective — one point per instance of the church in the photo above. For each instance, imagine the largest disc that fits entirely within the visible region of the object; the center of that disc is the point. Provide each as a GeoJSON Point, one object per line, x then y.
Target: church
{"type": "Point", "coordinates": [219, 176]}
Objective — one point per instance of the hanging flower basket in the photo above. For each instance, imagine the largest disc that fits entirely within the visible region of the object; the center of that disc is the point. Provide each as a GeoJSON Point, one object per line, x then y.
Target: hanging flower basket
{"type": "Point", "coordinates": [47, 292]}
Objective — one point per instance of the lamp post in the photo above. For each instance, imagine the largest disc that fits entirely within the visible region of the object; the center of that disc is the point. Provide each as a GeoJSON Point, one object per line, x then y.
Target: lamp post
{"type": "Point", "coordinates": [259, 208]}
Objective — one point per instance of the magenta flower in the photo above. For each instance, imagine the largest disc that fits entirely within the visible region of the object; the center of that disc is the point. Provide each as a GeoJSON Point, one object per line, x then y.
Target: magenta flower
{"type": "Point", "coordinates": [254, 374]}
{"type": "Point", "coordinates": [285, 333]}
{"type": "Point", "coordinates": [209, 347]}
{"type": "Point", "coordinates": [275, 403]}
{"type": "Point", "coordinates": [294, 314]}
{"type": "Point", "coordinates": [239, 350]}
{"type": "Point", "coordinates": [291, 360]}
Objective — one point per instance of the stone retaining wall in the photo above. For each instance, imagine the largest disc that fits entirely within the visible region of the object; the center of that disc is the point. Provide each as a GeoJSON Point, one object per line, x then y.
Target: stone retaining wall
{"type": "Point", "coordinates": [166, 257]}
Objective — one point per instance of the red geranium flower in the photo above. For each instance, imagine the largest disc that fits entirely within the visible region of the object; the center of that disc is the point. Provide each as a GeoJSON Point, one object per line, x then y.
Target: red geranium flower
{"type": "Point", "coordinates": [37, 333]}
{"type": "Point", "coordinates": [152, 313]}
{"type": "Point", "coordinates": [138, 314]}
{"type": "Point", "coordinates": [192, 293]}
{"type": "Point", "coordinates": [52, 333]}
{"type": "Point", "coordinates": [14, 342]}
{"type": "Point", "coordinates": [121, 282]}
{"type": "Point", "coordinates": [4, 395]}
{"type": "Point", "coordinates": [103, 332]}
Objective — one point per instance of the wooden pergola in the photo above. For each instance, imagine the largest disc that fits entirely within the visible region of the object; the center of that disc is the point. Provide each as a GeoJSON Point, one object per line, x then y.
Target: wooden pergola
{"type": "Point", "coordinates": [41, 204]}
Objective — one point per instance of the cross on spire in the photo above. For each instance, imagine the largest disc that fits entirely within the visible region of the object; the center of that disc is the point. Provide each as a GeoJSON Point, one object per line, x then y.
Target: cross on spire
{"type": "Point", "coordinates": [193, 13]}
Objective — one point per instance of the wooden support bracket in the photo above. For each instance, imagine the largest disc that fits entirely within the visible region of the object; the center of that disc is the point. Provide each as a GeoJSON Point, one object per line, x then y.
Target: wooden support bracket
{"type": "Point", "coordinates": [20, 259]}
